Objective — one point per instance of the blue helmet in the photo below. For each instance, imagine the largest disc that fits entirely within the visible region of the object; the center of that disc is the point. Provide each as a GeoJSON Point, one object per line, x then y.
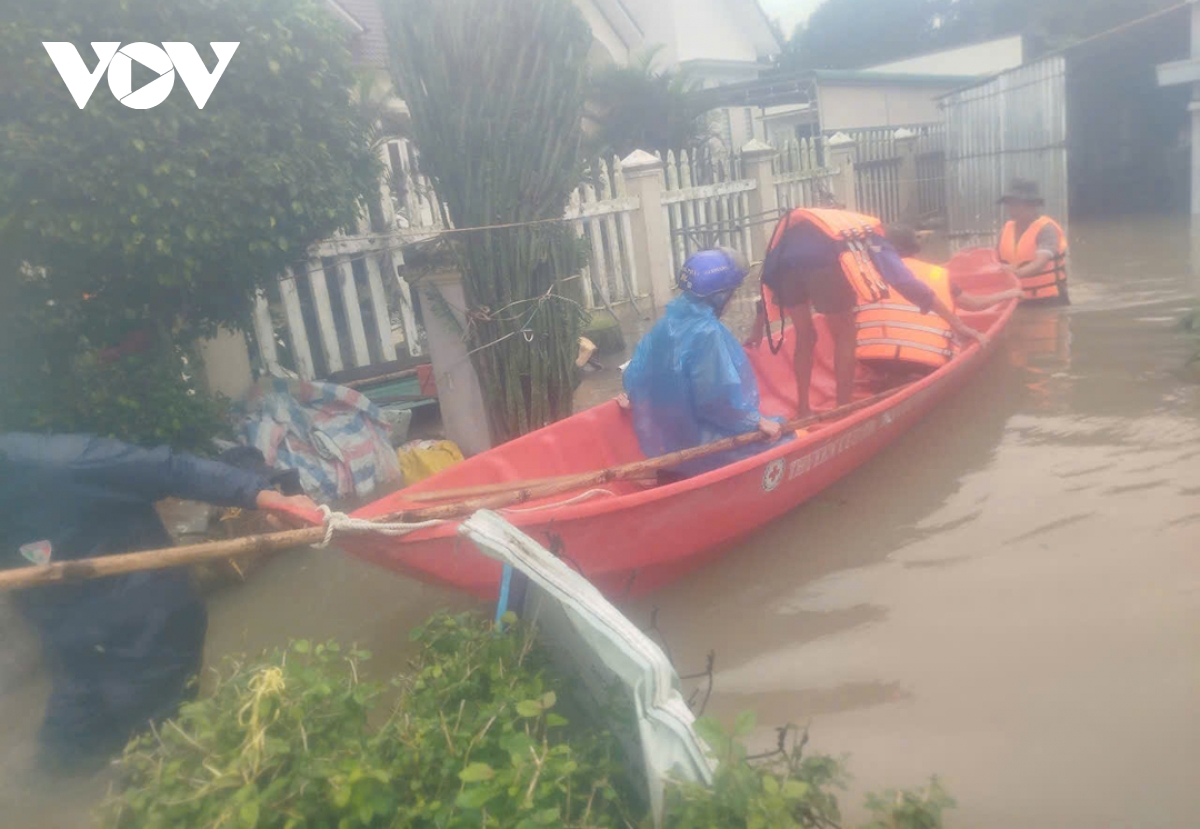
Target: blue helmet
{"type": "Point", "coordinates": [711, 272]}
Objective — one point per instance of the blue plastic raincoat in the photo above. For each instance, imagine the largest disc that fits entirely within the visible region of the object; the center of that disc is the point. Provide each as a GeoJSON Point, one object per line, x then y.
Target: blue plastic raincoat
{"type": "Point", "coordinates": [690, 383]}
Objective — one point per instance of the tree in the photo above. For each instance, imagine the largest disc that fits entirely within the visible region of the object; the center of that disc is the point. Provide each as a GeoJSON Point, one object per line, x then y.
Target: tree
{"type": "Point", "coordinates": [115, 220]}
{"type": "Point", "coordinates": [639, 107]}
{"type": "Point", "coordinates": [496, 89]}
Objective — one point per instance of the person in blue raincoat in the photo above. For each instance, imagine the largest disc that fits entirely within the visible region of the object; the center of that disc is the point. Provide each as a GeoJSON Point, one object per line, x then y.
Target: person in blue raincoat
{"type": "Point", "coordinates": [120, 650]}
{"type": "Point", "coordinates": [690, 382]}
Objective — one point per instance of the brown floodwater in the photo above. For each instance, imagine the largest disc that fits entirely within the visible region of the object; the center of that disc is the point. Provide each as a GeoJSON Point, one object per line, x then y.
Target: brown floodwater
{"type": "Point", "coordinates": [1008, 597]}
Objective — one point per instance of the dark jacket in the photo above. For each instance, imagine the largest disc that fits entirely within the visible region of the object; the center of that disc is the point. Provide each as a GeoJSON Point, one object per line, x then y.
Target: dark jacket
{"type": "Point", "coordinates": [91, 496]}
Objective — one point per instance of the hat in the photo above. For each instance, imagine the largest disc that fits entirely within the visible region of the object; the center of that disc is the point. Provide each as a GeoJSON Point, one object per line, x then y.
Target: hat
{"type": "Point", "coordinates": [1022, 190]}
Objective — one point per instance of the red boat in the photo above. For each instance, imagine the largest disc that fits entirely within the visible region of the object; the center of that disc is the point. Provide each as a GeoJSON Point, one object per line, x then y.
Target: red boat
{"type": "Point", "coordinates": [631, 537]}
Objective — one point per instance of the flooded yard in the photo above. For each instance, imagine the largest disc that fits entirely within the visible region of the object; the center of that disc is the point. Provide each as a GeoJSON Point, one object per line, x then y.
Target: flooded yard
{"type": "Point", "coordinates": [1009, 597]}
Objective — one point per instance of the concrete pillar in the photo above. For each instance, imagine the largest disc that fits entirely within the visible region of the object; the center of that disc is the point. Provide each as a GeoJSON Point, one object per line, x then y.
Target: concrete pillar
{"type": "Point", "coordinates": [906, 150]}
{"type": "Point", "coordinates": [842, 156]}
{"type": "Point", "coordinates": [1194, 109]}
{"type": "Point", "coordinates": [226, 363]}
{"type": "Point", "coordinates": [764, 198]}
{"type": "Point", "coordinates": [464, 414]}
{"type": "Point", "coordinates": [651, 229]}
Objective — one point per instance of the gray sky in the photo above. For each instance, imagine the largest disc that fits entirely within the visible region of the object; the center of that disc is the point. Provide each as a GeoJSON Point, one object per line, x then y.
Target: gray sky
{"type": "Point", "coordinates": [789, 12]}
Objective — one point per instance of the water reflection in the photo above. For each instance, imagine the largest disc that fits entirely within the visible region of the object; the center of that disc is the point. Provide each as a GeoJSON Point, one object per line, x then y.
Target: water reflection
{"type": "Point", "coordinates": [987, 596]}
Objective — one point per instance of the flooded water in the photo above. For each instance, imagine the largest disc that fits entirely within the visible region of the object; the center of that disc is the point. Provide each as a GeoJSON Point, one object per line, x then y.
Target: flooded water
{"type": "Point", "coordinates": [1009, 597]}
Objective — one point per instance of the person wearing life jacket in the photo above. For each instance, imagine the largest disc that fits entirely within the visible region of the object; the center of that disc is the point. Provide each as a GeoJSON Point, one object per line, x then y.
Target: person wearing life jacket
{"type": "Point", "coordinates": [690, 382]}
{"type": "Point", "coordinates": [1033, 245]}
{"type": "Point", "coordinates": [840, 264]}
{"type": "Point", "coordinates": [904, 239]}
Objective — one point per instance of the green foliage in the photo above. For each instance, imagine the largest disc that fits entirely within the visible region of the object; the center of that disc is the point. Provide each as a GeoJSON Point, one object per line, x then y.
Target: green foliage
{"type": "Point", "coordinates": [143, 399]}
{"type": "Point", "coordinates": [476, 737]}
{"type": "Point", "coordinates": [921, 809]}
{"type": "Point", "coordinates": [787, 789]}
{"type": "Point", "coordinates": [639, 107]}
{"type": "Point", "coordinates": [474, 740]}
{"type": "Point", "coordinates": [168, 218]}
{"type": "Point", "coordinates": [496, 89]}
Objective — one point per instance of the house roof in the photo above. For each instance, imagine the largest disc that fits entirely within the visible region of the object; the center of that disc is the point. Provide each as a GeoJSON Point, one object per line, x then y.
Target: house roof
{"type": "Point", "coordinates": [863, 77]}
{"type": "Point", "coordinates": [368, 42]}
{"type": "Point", "coordinates": [800, 87]}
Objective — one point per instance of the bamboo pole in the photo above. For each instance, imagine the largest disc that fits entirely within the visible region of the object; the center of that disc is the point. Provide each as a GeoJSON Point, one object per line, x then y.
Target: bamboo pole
{"type": "Point", "coordinates": [94, 568]}
{"type": "Point", "coordinates": [517, 493]}
{"type": "Point", "coordinates": [523, 491]}
{"type": "Point", "coordinates": [492, 489]}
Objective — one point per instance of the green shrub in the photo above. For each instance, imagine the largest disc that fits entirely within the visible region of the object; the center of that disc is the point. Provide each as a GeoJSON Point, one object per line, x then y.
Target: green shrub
{"type": "Point", "coordinates": [146, 399]}
{"type": "Point", "coordinates": [473, 737]}
{"type": "Point", "coordinates": [473, 740]}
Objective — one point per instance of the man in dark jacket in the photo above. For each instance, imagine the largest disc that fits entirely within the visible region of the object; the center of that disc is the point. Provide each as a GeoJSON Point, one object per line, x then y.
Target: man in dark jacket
{"type": "Point", "coordinates": [120, 650]}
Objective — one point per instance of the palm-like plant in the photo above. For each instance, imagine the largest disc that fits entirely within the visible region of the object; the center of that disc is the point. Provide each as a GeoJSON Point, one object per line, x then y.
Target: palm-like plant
{"type": "Point", "coordinates": [641, 107]}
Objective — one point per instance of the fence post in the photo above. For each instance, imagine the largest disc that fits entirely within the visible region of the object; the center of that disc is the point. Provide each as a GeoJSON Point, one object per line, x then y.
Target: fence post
{"type": "Point", "coordinates": [651, 233]}
{"type": "Point", "coordinates": [910, 188]}
{"type": "Point", "coordinates": [757, 157]}
{"type": "Point", "coordinates": [843, 151]}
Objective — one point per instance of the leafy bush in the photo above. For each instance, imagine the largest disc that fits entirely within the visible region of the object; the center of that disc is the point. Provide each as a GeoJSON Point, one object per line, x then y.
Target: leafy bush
{"type": "Point", "coordinates": [145, 398]}
{"type": "Point", "coordinates": [786, 789]}
{"type": "Point", "coordinates": [475, 737]}
{"type": "Point", "coordinates": [473, 740]}
{"type": "Point", "coordinates": [167, 220]}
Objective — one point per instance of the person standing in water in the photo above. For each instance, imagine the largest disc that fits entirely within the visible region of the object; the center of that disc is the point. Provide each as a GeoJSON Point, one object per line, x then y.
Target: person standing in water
{"type": "Point", "coordinates": [1033, 246]}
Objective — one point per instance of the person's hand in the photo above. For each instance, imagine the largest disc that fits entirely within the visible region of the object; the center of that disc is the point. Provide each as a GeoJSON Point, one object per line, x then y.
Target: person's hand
{"type": "Point", "coordinates": [969, 333]}
{"type": "Point", "coordinates": [623, 401]}
{"type": "Point", "coordinates": [289, 510]}
{"type": "Point", "coordinates": [770, 428]}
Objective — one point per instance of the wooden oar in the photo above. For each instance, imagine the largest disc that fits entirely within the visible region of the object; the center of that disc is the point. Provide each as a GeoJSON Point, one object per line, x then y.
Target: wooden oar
{"type": "Point", "coordinates": [99, 567]}
{"type": "Point", "coordinates": [523, 491]}
{"type": "Point", "coordinates": [493, 489]}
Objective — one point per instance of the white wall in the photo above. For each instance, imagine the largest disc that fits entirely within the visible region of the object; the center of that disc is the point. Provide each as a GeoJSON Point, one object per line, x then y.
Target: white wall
{"type": "Point", "coordinates": [226, 364]}
{"type": "Point", "coordinates": [709, 30]}
{"type": "Point", "coordinates": [859, 107]}
{"type": "Point", "coordinates": [603, 32]}
{"type": "Point", "coordinates": [979, 59]}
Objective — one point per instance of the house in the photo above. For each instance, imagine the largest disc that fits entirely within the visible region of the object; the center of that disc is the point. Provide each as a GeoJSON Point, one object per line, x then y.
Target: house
{"type": "Point", "coordinates": [902, 93]}
{"type": "Point", "coordinates": [1102, 126]}
{"type": "Point", "coordinates": [714, 42]}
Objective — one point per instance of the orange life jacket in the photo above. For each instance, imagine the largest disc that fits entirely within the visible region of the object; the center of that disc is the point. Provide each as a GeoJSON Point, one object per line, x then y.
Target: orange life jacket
{"type": "Point", "coordinates": [895, 329]}
{"type": "Point", "coordinates": [889, 326]}
{"type": "Point", "coordinates": [1050, 282]}
{"type": "Point", "coordinates": [851, 230]}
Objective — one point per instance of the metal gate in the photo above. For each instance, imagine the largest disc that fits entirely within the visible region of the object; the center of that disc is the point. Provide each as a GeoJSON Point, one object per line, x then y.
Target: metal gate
{"type": "Point", "coordinates": [1014, 124]}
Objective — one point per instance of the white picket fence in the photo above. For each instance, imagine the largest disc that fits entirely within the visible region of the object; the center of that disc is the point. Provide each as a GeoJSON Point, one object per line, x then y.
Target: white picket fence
{"type": "Point", "coordinates": [705, 215]}
{"type": "Point", "coordinates": [602, 212]}
{"type": "Point", "coordinates": [801, 180]}
{"type": "Point", "coordinates": [350, 308]}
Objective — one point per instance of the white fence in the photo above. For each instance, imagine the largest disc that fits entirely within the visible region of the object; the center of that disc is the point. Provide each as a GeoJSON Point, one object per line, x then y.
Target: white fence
{"type": "Point", "coordinates": [801, 180]}
{"type": "Point", "coordinates": [702, 216]}
{"type": "Point", "coordinates": [603, 211]}
{"type": "Point", "coordinates": [350, 308]}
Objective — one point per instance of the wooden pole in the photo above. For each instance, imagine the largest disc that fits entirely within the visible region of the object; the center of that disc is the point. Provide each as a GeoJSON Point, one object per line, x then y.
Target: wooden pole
{"type": "Point", "coordinates": [522, 491]}
{"type": "Point", "coordinates": [99, 567]}
{"type": "Point", "coordinates": [517, 493]}
{"type": "Point", "coordinates": [492, 489]}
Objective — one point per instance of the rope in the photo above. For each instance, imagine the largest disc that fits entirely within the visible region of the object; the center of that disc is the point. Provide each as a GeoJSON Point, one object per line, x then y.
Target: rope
{"type": "Point", "coordinates": [585, 496]}
{"type": "Point", "coordinates": [340, 522]}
